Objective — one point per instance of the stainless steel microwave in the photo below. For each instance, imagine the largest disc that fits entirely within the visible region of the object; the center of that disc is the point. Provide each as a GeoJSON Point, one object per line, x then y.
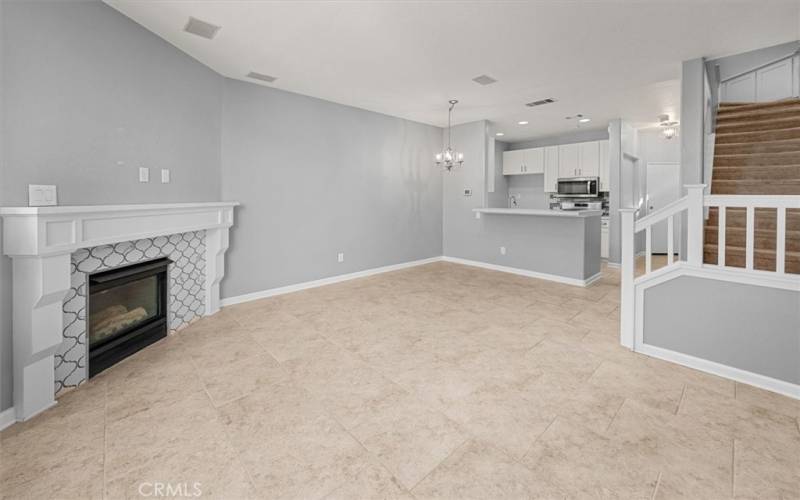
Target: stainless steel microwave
{"type": "Point", "coordinates": [579, 187]}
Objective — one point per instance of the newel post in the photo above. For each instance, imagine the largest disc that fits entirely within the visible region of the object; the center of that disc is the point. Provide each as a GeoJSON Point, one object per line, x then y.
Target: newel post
{"type": "Point", "coordinates": [694, 230]}
{"type": "Point", "coordinates": [627, 313]}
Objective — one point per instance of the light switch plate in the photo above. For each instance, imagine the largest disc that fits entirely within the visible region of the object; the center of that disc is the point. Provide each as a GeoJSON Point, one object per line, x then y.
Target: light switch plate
{"type": "Point", "coordinates": [144, 174]}
{"type": "Point", "coordinates": [467, 192]}
{"type": "Point", "coordinates": [340, 257]}
{"type": "Point", "coordinates": [164, 176]}
{"type": "Point", "coordinates": [42, 195]}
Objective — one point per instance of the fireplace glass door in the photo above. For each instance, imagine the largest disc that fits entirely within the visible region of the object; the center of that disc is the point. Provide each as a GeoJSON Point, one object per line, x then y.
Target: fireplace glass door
{"type": "Point", "coordinates": [122, 308]}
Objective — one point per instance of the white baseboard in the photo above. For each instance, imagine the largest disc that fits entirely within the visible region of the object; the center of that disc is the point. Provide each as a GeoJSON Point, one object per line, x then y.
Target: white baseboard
{"type": "Point", "coordinates": [7, 417]}
{"type": "Point", "coordinates": [615, 265]}
{"type": "Point", "coordinates": [524, 272]}
{"type": "Point", "coordinates": [761, 381]}
{"type": "Point", "coordinates": [229, 301]}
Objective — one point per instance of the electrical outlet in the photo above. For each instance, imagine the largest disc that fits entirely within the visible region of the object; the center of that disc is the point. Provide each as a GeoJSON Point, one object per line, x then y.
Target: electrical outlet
{"type": "Point", "coordinates": [341, 257]}
{"type": "Point", "coordinates": [144, 174]}
{"type": "Point", "coordinates": [164, 176]}
{"type": "Point", "coordinates": [42, 195]}
{"type": "Point", "coordinates": [502, 250]}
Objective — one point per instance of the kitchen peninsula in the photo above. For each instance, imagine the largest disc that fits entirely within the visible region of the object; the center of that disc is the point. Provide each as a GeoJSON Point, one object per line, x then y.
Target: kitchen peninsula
{"type": "Point", "coordinates": [560, 245]}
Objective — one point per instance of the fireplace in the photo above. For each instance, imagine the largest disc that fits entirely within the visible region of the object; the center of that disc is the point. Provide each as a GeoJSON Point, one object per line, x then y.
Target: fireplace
{"type": "Point", "coordinates": [127, 311]}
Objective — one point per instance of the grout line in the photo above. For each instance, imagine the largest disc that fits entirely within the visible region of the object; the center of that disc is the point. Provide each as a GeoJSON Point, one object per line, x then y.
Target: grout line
{"type": "Point", "coordinates": [463, 443]}
{"type": "Point", "coordinates": [658, 483]}
{"type": "Point", "coordinates": [534, 442]}
{"type": "Point", "coordinates": [680, 401]}
{"type": "Point", "coordinates": [615, 416]}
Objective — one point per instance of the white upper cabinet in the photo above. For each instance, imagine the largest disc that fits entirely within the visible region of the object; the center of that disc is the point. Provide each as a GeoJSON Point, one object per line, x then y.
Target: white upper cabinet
{"type": "Point", "coordinates": [551, 169]}
{"type": "Point", "coordinates": [568, 160]}
{"type": "Point", "coordinates": [513, 162]}
{"type": "Point", "coordinates": [523, 161]}
{"type": "Point", "coordinates": [589, 159]}
{"type": "Point", "coordinates": [604, 167]}
{"type": "Point", "coordinates": [534, 161]}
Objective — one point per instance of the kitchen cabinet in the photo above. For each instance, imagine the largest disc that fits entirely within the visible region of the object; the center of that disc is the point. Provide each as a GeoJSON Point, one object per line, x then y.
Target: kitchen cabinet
{"type": "Point", "coordinates": [523, 161]}
{"type": "Point", "coordinates": [604, 167]}
{"type": "Point", "coordinates": [534, 160]}
{"type": "Point", "coordinates": [589, 159]}
{"type": "Point", "coordinates": [551, 169]}
{"type": "Point", "coordinates": [513, 162]}
{"type": "Point", "coordinates": [568, 160]}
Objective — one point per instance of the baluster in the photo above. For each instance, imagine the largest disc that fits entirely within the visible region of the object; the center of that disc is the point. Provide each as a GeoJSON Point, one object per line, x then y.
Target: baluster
{"type": "Point", "coordinates": [648, 253]}
{"type": "Point", "coordinates": [750, 241]}
{"type": "Point", "coordinates": [721, 236]}
{"type": "Point", "coordinates": [670, 239]}
{"type": "Point", "coordinates": [780, 242]}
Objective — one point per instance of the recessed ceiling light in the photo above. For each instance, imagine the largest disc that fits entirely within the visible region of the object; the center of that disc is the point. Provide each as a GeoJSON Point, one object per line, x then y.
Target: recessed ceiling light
{"type": "Point", "coordinates": [262, 77]}
{"type": "Point", "coordinates": [585, 120]}
{"type": "Point", "coordinates": [522, 123]}
{"type": "Point", "coordinates": [201, 28]}
{"type": "Point", "coordinates": [484, 80]}
{"type": "Point", "coordinates": [541, 102]}
{"type": "Point", "coordinates": [499, 134]}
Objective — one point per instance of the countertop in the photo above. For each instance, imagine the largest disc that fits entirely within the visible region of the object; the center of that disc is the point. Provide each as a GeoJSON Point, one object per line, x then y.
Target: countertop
{"type": "Point", "coordinates": [539, 212]}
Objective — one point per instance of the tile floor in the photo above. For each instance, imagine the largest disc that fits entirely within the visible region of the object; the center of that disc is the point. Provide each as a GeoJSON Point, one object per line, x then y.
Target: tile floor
{"type": "Point", "coordinates": [440, 381]}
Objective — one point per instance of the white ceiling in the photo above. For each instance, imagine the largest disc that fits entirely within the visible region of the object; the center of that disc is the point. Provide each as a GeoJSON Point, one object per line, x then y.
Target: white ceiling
{"type": "Point", "coordinates": [605, 59]}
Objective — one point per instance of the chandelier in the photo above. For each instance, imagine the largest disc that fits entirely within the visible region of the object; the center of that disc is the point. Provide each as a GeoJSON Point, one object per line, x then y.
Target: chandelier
{"type": "Point", "coordinates": [669, 129]}
{"type": "Point", "coordinates": [449, 157]}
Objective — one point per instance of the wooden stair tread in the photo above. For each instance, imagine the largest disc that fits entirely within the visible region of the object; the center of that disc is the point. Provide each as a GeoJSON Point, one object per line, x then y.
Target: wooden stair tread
{"type": "Point", "coordinates": [759, 136]}
{"type": "Point", "coordinates": [792, 120]}
{"type": "Point", "coordinates": [786, 147]}
{"type": "Point", "coordinates": [755, 172]}
{"type": "Point", "coordinates": [743, 106]}
{"type": "Point", "coordinates": [732, 115]}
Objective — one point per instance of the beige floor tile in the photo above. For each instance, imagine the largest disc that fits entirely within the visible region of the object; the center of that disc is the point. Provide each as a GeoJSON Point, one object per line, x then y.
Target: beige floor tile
{"type": "Point", "coordinates": [766, 469]}
{"type": "Point", "coordinates": [229, 382]}
{"type": "Point", "coordinates": [290, 447]}
{"type": "Point", "coordinates": [587, 464]}
{"type": "Point", "coordinates": [479, 471]}
{"type": "Point", "coordinates": [407, 437]}
{"type": "Point", "coordinates": [564, 360]}
{"type": "Point", "coordinates": [694, 461]}
{"type": "Point", "coordinates": [641, 383]}
{"type": "Point", "coordinates": [723, 386]}
{"type": "Point", "coordinates": [506, 417]}
{"type": "Point", "coordinates": [736, 419]}
{"type": "Point", "coordinates": [768, 400]}
{"type": "Point", "coordinates": [373, 481]}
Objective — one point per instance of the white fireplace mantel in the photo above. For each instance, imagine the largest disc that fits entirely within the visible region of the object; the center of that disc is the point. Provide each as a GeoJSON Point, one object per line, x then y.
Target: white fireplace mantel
{"type": "Point", "coordinates": [40, 241]}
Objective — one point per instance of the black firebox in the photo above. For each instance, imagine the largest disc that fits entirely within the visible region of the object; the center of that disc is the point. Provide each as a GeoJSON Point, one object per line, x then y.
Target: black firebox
{"type": "Point", "coordinates": [127, 311]}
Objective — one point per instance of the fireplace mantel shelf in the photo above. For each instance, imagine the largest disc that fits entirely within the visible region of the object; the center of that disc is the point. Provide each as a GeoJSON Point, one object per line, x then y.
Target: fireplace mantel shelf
{"type": "Point", "coordinates": [91, 209]}
{"type": "Point", "coordinates": [41, 240]}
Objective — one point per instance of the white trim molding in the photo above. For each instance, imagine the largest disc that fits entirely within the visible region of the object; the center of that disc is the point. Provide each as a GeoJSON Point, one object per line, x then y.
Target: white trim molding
{"type": "Point", "coordinates": [761, 381]}
{"type": "Point", "coordinates": [271, 292]}
{"type": "Point", "coordinates": [7, 418]}
{"type": "Point", "coordinates": [40, 241]}
{"type": "Point", "coordinates": [525, 272]}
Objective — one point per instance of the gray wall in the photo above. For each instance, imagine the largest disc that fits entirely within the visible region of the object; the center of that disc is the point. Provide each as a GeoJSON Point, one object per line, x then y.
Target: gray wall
{"type": "Point", "coordinates": [748, 327]}
{"type": "Point", "coordinates": [317, 178]}
{"type": "Point", "coordinates": [624, 175]}
{"type": "Point", "coordinates": [5, 274]}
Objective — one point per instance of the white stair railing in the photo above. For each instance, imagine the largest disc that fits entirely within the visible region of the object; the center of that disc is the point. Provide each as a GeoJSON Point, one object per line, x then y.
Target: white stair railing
{"type": "Point", "coordinates": [694, 205]}
{"type": "Point", "coordinates": [751, 203]}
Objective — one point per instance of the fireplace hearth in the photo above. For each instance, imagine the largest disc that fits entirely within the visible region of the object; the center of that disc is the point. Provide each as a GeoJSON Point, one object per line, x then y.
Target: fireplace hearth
{"type": "Point", "coordinates": [127, 311]}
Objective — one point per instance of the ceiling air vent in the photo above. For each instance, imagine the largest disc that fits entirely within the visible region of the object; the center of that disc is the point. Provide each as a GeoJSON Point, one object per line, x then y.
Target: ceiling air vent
{"type": "Point", "coordinates": [540, 102]}
{"type": "Point", "coordinates": [262, 77]}
{"type": "Point", "coordinates": [484, 80]}
{"type": "Point", "coordinates": [201, 28]}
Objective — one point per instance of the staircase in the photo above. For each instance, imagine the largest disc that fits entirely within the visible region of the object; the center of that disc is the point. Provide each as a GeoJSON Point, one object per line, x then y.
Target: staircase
{"type": "Point", "coordinates": [757, 152]}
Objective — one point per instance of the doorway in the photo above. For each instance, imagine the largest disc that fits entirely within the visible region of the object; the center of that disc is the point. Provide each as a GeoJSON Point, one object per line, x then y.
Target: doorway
{"type": "Point", "coordinates": [663, 188]}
